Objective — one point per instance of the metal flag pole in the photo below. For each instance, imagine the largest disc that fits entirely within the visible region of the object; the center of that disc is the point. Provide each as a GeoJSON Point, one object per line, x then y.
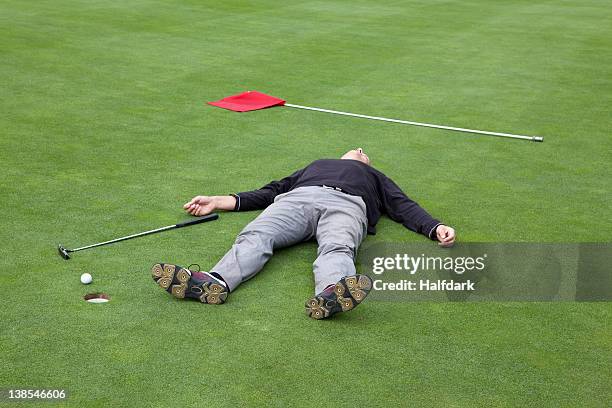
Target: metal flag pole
{"type": "Point", "coordinates": [407, 122]}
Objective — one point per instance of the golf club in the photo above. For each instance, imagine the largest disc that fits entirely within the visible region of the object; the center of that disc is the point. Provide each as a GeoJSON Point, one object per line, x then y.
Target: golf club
{"type": "Point", "coordinates": [65, 252]}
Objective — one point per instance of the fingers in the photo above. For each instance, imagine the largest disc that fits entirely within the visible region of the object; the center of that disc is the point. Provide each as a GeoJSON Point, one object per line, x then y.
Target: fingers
{"type": "Point", "coordinates": [199, 210]}
{"type": "Point", "coordinates": [446, 236]}
{"type": "Point", "coordinates": [441, 232]}
{"type": "Point", "coordinates": [190, 203]}
{"type": "Point", "coordinates": [192, 207]}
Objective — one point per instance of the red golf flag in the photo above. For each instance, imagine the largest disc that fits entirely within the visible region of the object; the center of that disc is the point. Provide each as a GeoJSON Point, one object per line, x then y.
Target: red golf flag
{"type": "Point", "coordinates": [248, 101]}
{"type": "Point", "coordinates": [253, 100]}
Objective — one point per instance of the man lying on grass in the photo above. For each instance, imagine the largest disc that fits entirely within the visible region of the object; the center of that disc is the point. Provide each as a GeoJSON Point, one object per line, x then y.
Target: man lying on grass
{"type": "Point", "coordinates": [336, 202]}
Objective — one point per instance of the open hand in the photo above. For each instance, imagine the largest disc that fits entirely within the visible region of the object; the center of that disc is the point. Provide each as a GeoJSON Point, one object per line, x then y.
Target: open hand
{"type": "Point", "coordinates": [446, 235]}
{"type": "Point", "coordinates": [200, 205]}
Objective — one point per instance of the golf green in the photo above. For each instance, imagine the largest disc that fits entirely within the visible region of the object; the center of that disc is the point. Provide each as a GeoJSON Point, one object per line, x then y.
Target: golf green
{"type": "Point", "coordinates": [104, 132]}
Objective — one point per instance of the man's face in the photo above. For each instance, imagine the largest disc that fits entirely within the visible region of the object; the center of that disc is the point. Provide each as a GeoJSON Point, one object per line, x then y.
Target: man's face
{"type": "Point", "coordinates": [356, 154]}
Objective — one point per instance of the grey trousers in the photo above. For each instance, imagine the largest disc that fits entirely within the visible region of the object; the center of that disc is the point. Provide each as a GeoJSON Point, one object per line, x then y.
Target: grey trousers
{"type": "Point", "coordinates": [337, 220]}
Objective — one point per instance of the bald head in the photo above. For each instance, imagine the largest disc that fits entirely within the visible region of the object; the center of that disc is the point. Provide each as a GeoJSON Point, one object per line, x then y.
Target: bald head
{"type": "Point", "coordinates": [356, 154]}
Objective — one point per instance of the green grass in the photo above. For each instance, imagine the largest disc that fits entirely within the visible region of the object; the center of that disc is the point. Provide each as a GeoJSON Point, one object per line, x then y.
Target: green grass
{"type": "Point", "coordinates": [104, 131]}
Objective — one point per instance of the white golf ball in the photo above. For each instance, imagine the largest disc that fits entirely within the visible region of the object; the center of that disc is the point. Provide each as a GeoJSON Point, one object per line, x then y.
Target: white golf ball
{"type": "Point", "coordinates": [86, 279]}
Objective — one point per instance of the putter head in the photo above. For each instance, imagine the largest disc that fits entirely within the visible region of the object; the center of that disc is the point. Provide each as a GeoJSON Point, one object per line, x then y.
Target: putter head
{"type": "Point", "coordinates": [63, 252]}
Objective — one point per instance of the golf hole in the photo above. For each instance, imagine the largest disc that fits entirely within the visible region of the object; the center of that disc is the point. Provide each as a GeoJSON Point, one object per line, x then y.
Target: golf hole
{"type": "Point", "coordinates": [96, 298]}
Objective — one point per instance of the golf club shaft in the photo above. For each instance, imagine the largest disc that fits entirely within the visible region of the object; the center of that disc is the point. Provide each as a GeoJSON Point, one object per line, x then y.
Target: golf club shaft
{"type": "Point", "coordinates": [112, 241]}
{"type": "Point", "coordinates": [407, 122]}
{"type": "Point", "coordinates": [209, 217]}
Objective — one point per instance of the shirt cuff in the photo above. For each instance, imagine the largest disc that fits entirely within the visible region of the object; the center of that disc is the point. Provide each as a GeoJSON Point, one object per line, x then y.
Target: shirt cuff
{"type": "Point", "coordinates": [237, 205]}
{"type": "Point", "coordinates": [432, 232]}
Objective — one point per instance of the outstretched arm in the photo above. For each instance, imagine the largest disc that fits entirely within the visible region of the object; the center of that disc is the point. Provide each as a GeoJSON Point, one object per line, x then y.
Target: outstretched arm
{"type": "Point", "coordinates": [249, 200]}
{"type": "Point", "coordinates": [263, 197]}
{"type": "Point", "coordinates": [402, 209]}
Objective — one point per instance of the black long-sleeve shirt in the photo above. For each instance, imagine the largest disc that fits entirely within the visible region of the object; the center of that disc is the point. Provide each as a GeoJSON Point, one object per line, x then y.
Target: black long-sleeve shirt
{"type": "Point", "coordinates": [380, 194]}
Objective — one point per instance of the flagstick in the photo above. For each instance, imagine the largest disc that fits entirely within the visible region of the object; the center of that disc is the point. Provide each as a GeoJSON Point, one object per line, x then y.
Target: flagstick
{"type": "Point", "coordinates": [407, 122]}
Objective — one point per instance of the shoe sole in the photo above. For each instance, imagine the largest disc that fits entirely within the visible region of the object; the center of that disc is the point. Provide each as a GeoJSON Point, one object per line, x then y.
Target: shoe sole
{"type": "Point", "coordinates": [350, 291]}
{"type": "Point", "coordinates": [177, 281]}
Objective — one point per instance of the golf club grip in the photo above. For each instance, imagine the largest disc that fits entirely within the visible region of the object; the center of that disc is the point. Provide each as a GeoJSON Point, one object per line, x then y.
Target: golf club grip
{"type": "Point", "coordinates": [209, 217]}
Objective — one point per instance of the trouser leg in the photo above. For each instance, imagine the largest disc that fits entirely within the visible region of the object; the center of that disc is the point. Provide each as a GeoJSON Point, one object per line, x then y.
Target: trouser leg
{"type": "Point", "coordinates": [286, 222]}
{"type": "Point", "coordinates": [341, 228]}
